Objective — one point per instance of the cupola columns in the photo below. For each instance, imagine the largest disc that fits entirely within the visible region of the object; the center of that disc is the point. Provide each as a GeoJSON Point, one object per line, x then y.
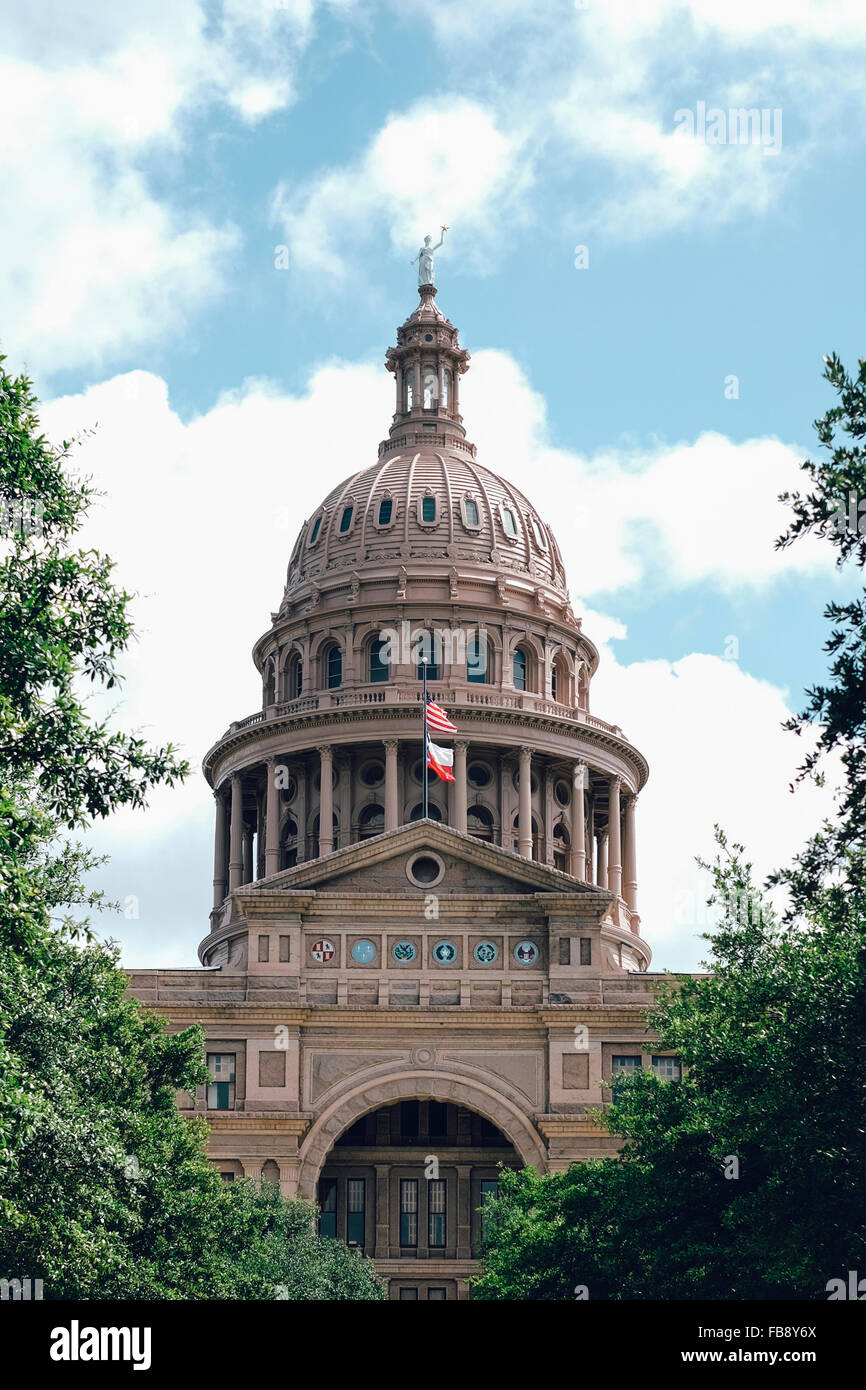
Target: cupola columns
{"type": "Point", "coordinates": [524, 818]}
{"type": "Point", "coordinates": [326, 800]}
{"type": "Point", "coordinates": [629, 857]}
{"type": "Point", "coordinates": [236, 853]}
{"type": "Point", "coordinates": [578, 829]}
{"type": "Point", "coordinates": [272, 821]}
{"type": "Point", "coordinates": [392, 811]}
{"type": "Point", "coordinates": [614, 867]}
{"type": "Point", "coordinates": [219, 850]}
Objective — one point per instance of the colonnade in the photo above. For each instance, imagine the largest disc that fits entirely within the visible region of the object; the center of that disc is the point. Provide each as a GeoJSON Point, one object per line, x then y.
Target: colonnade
{"type": "Point", "coordinates": [603, 854]}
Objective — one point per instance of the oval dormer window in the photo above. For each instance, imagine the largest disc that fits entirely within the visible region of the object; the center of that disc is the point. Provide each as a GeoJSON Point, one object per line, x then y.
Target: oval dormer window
{"type": "Point", "coordinates": [314, 534]}
{"type": "Point", "coordinates": [428, 510]}
{"type": "Point", "coordinates": [346, 520]}
{"type": "Point", "coordinates": [386, 508]}
{"type": "Point", "coordinates": [509, 523]}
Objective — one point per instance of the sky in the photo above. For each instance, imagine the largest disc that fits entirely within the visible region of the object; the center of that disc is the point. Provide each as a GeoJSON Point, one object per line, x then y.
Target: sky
{"type": "Point", "coordinates": [208, 213]}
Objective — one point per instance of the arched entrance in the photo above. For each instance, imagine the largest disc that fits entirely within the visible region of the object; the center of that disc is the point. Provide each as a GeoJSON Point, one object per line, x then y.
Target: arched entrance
{"type": "Point", "coordinates": [401, 1169]}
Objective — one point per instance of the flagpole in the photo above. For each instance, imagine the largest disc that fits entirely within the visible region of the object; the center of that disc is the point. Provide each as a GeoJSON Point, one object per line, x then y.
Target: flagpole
{"type": "Point", "coordinates": [424, 752]}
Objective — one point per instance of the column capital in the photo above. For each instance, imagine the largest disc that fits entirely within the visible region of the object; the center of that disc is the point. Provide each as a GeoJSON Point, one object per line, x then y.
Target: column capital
{"type": "Point", "coordinates": [615, 783]}
{"type": "Point", "coordinates": [391, 744]}
{"type": "Point", "coordinates": [525, 752]}
{"type": "Point", "coordinates": [462, 744]}
{"type": "Point", "coordinates": [326, 751]}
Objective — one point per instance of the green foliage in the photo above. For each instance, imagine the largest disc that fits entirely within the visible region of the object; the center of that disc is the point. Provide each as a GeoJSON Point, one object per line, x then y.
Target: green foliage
{"type": "Point", "coordinates": [745, 1179]}
{"type": "Point", "coordinates": [106, 1189]}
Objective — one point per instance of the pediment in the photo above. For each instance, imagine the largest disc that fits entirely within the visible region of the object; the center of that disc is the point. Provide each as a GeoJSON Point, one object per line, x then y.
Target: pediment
{"type": "Point", "coordinates": [379, 865]}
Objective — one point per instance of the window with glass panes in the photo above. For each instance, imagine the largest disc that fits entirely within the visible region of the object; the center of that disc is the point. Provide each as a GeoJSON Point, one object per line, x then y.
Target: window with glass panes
{"type": "Point", "coordinates": [667, 1068]}
{"type": "Point", "coordinates": [221, 1088]}
{"type": "Point", "coordinates": [409, 1213]}
{"type": "Point", "coordinates": [436, 1296]}
{"type": "Point", "coordinates": [379, 651]}
{"type": "Point", "coordinates": [355, 1203]}
{"type": "Point", "coordinates": [436, 1213]}
{"type": "Point", "coordinates": [623, 1066]}
{"type": "Point", "coordinates": [328, 1207]}
{"type": "Point", "coordinates": [335, 668]}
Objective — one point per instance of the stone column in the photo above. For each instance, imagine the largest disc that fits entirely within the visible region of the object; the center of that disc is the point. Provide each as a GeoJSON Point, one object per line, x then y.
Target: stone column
{"type": "Point", "coordinates": [219, 850]}
{"type": "Point", "coordinates": [345, 794]}
{"type": "Point", "coordinates": [326, 800]}
{"type": "Point", "coordinates": [383, 1221]}
{"type": "Point", "coordinates": [392, 813]}
{"type": "Point", "coordinates": [236, 853]}
{"type": "Point", "coordinates": [272, 821]}
{"type": "Point", "coordinates": [301, 810]}
{"type": "Point", "coordinates": [464, 1211]}
{"type": "Point", "coordinates": [601, 870]}
{"type": "Point", "coordinates": [629, 854]}
{"type": "Point", "coordinates": [460, 786]}
{"type": "Point", "coordinates": [547, 806]}
{"type": "Point", "coordinates": [253, 1169]}
{"type": "Point", "coordinates": [524, 824]}
{"type": "Point", "coordinates": [614, 868]}
{"type": "Point", "coordinates": [578, 822]}
{"type": "Point", "coordinates": [505, 827]}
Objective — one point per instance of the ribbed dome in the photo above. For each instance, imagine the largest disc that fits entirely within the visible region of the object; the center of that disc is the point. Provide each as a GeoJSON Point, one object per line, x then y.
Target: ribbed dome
{"type": "Point", "coordinates": [441, 507]}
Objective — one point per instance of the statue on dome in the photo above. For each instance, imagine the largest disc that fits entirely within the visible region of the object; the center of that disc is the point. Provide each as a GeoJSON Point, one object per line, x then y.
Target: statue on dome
{"type": "Point", "coordinates": [425, 259]}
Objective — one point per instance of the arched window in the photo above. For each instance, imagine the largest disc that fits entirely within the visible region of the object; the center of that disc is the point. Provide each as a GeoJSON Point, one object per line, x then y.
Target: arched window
{"type": "Point", "coordinates": [554, 682]}
{"type": "Point", "coordinates": [433, 812]}
{"type": "Point", "coordinates": [270, 684]}
{"type": "Point", "coordinates": [479, 822]}
{"type": "Point", "coordinates": [559, 683]}
{"type": "Point", "coordinates": [410, 387]}
{"type": "Point", "coordinates": [294, 679]}
{"type": "Point", "coordinates": [479, 662]}
{"type": "Point", "coordinates": [314, 534]}
{"type": "Point", "coordinates": [371, 822]}
{"type": "Point", "coordinates": [446, 389]}
{"type": "Point", "coordinates": [583, 688]}
{"type": "Point", "coordinates": [379, 664]}
{"type": "Point", "coordinates": [520, 669]}
{"type": "Point", "coordinates": [426, 648]}
{"type": "Point", "coordinates": [431, 389]}
{"type": "Point", "coordinates": [334, 667]}
{"type": "Point", "coordinates": [561, 846]}
{"type": "Point", "coordinates": [346, 519]}
{"type": "Point", "coordinates": [289, 843]}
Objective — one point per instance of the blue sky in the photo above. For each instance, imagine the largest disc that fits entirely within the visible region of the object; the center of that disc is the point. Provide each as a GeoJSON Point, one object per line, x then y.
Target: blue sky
{"type": "Point", "coordinates": [156, 159]}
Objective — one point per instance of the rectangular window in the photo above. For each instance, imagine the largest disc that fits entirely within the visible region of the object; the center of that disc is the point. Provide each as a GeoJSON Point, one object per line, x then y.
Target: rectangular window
{"type": "Point", "coordinates": [408, 1295]}
{"type": "Point", "coordinates": [436, 1213]}
{"type": "Point", "coordinates": [408, 1213]}
{"type": "Point", "coordinates": [623, 1066]}
{"type": "Point", "coordinates": [264, 949]}
{"type": "Point", "coordinates": [586, 950]}
{"type": "Point", "coordinates": [227, 1177]}
{"type": "Point", "coordinates": [428, 509]}
{"type": "Point", "coordinates": [345, 520]}
{"type": "Point", "coordinates": [668, 1068]}
{"type": "Point", "coordinates": [328, 1207]}
{"type": "Point", "coordinates": [284, 949]}
{"type": "Point", "coordinates": [385, 509]}
{"type": "Point", "coordinates": [436, 1296]}
{"type": "Point", "coordinates": [378, 660]}
{"type": "Point", "coordinates": [355, 1203]}
{"type": "Point", "coordinates": [565, 950]}
{"type": "Point", "coordinates": [471, 511]}
{"type": "Point", "coordinates": [221, 1089]}
{"type": "Point", "coordinates": [437, 1119]}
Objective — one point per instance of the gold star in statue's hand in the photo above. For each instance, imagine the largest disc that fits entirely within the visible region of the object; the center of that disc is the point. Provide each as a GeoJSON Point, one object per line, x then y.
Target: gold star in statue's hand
{"type": "Point", "coordinates": [444, 229]}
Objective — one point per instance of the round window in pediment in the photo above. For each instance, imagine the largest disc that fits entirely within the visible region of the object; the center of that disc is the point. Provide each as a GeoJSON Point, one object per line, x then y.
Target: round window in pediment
{"type": "Point", "coordinates": [425, 870]}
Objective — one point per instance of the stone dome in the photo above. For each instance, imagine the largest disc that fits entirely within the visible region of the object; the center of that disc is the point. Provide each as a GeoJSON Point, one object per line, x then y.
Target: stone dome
{"type": "Point", "coordinates": [427, 504]}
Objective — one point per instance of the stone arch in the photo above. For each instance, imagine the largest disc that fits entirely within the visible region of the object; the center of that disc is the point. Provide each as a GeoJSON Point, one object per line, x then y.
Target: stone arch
{"type": "Point", "coordinates": [412, 1085]}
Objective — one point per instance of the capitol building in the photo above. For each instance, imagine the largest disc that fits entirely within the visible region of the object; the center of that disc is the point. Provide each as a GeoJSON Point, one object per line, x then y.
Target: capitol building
{"type": "Point", "coordinates": [396, 1005]}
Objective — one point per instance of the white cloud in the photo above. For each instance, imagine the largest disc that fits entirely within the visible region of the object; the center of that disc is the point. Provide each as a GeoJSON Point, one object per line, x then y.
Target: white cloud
{"type": "Point", "coordinates": [95, 262]}
{"type": "Point", "coordinates": [202, 517]}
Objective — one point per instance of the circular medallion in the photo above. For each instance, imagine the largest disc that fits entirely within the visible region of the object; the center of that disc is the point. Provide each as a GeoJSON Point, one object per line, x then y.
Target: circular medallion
{"type": "Point", "coordinates": [363, 952]}
{"type": "Point", "coordinates": [485, 953]}
{"type": "Point", "coordinates": [323, 950]}
{"type": "Point", "coordinates": [445, 952]}
{"type": "Point", "coordinates": [526, 952]}
{"type": "Point", "coordinates": [403, 950]}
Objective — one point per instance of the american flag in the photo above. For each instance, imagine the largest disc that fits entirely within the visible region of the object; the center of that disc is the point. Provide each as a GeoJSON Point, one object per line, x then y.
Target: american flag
{"type": "Point", "coordinates": [437, 719]}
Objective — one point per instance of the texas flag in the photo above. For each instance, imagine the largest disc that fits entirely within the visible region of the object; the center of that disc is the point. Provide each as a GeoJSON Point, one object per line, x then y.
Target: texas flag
{"type": "Point", "coordinates": [441, 760]}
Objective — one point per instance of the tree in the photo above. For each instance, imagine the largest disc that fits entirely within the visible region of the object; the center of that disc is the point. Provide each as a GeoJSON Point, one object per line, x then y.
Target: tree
{"type": "Point", "coordinates": [105, 1189]}
{"type": "Point", "coordinates": [744, 1179]}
